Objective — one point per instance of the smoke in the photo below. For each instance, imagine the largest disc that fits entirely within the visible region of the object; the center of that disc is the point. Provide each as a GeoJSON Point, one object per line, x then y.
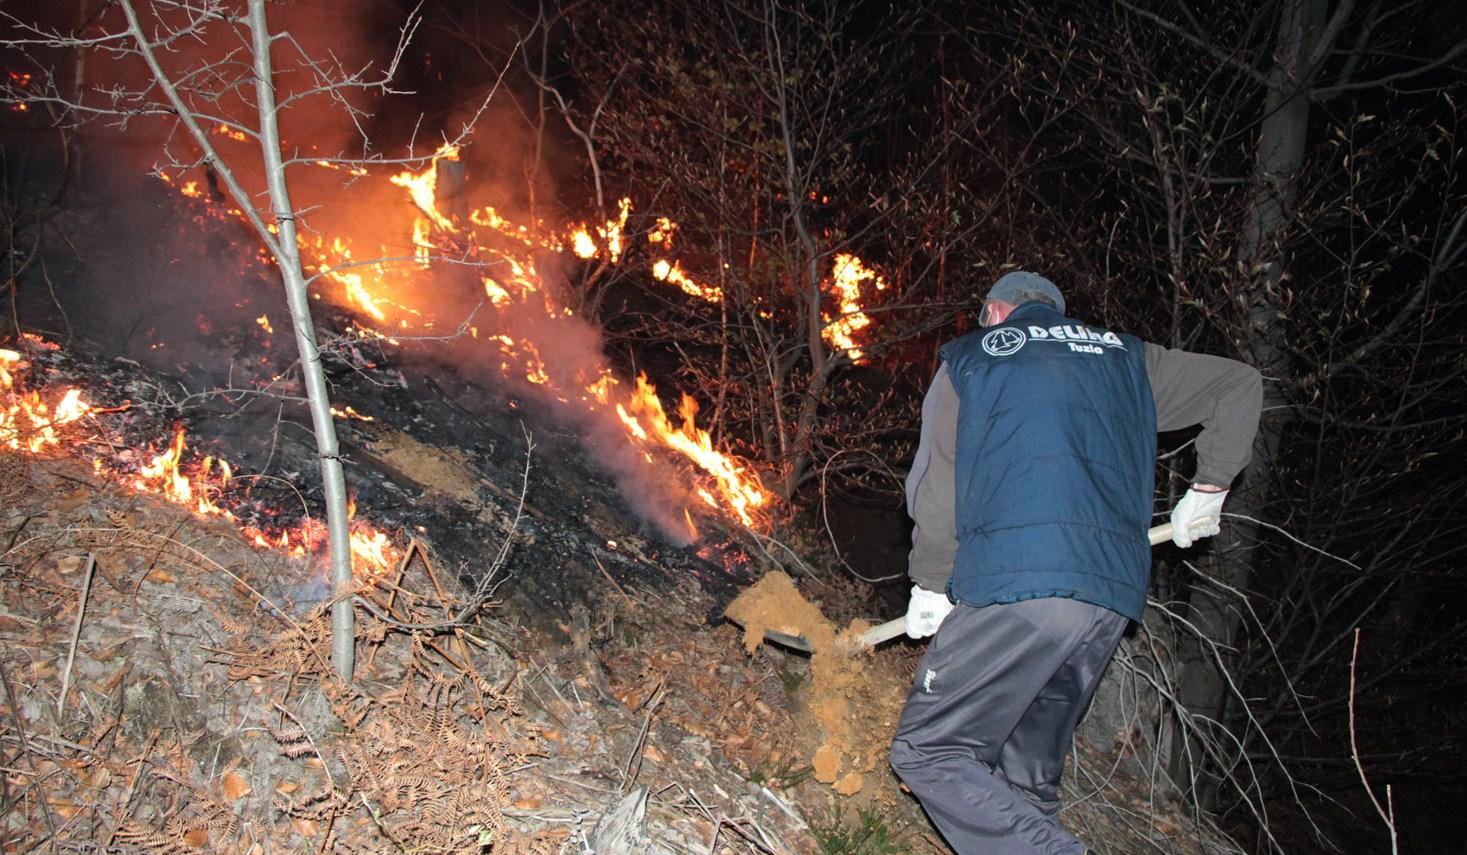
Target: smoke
{"type": "Point", "coordinates": [572, 353]}
{"type": "Point", "coordinates": [181, 284]}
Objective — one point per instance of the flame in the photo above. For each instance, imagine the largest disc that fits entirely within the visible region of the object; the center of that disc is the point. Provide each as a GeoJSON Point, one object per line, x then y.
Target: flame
{"type": "Point", "coordinates": [509, 249]}
{"type": "Point", "coordinates": [611, 235]}
{"type": "Point", "coordinates": [423, 186]}
{"type": "Point", "coordinates": [661, 234]}
{"type": "Point", "coordinates": [669, 271]}
{"type": "Point", "coordinates": [191, 190]}
{"type": "Point", "coordinates": [28, 423]}
{"type": "Point", "coordinates": [849, 276]}
{"type": "Point", "coordinates": [643, 415]}
{"type": "Point", "coordinates": [582, 244]}
{"type": "Point", "coordinates": [235, 134]}
{"type": "Point", "coordinates": [264, 322]}
{"type": "Point", "coordinates": [199, 487]}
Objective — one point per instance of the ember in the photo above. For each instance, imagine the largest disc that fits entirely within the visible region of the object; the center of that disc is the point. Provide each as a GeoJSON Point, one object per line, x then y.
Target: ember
{"type": "Point", "coordinates": [29, 423]}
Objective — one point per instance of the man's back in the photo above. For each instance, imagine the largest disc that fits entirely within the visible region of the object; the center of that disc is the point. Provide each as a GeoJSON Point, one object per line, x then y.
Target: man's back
{"type": "Point", "coordinates": [1055, 445]}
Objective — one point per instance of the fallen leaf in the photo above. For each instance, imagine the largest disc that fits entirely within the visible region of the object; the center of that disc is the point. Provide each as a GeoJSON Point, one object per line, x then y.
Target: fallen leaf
{"type": "Point", "coordinates": [116, 678]}
{"type": "Point", "coordinates": [651, 753]}
{"type": "Point", "coordinates": [66, 810]}
{"type": "Point", "coordinates": [159, 576]}
{"type": "Point", "coordinates": [198, 838]}
{"type": "Point", "coordinates": [527, 804]}
{"type": "Point", "coordinates": [285, 788]}
{"type": "Point", "coordinates": [305, 827]}
{"type": "Point", "coordinates": [236, 786]}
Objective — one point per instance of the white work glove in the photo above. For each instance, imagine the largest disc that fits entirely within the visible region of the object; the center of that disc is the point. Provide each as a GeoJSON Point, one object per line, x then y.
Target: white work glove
{"type": "Point", "coordinates": [925, 612]}
{"type": "Point", "coordinates": [1197, 515]}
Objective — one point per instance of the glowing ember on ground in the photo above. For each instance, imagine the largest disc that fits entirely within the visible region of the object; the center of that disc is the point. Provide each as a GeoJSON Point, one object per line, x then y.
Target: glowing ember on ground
{"type": "Point", "coordinates": [27, 421]}
{"type": "Point", "coordinates": [29, 424]}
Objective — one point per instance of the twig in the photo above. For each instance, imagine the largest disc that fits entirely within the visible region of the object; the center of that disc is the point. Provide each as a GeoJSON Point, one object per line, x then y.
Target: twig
{"type": "Point", "coordinates": [1347, 562]}
{"type": "Point", "coordinates": [132, 786]}
{"type": "Point", "coordinates": [619, 588]}
{"type": "Point", "coordinates": [634, 762]}
{"type": "Point", "coordinates": [1388, 813]}
{"type": "Point", "coordinates": [381, 825]}
{"type": "Point", "coordinates": [81, 611]}
{"type": "Point", "coordinates": [25, 746]}
{"type": "Point", "coordinates": [830, 533]}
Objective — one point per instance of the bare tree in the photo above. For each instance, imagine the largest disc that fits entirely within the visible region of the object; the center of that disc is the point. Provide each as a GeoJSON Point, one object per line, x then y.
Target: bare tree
{"type": "Point", "coordinates": [1280, 183]}
{"type": "Point", "coordinates": [202, 64]}
{"type": "Point", "coordinates": [782, 140]}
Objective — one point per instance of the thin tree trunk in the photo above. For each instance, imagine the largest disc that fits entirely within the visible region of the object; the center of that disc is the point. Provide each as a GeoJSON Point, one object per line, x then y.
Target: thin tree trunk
{"type": "Point", "coordinates": [1279, 157]}
{"type": "Point", "coordinates": [286, 251]}
{"type": "Point", "coordinates": [333, 479]}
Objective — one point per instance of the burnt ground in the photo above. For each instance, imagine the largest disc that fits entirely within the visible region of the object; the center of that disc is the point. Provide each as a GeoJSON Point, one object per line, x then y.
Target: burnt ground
{"type": "Point", "coordinates": [539, 658]}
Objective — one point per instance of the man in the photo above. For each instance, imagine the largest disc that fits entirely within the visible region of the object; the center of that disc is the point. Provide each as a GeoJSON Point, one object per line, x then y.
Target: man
{"type": "Point", "coordinates": [1032, 493]}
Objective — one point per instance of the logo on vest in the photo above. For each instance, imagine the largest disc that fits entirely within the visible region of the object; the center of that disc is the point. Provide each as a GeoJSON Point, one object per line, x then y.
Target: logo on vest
{"type": "Point", "coordinates": [1078, 336]}
{"type": "Point", "coordinates": [1004, 341]}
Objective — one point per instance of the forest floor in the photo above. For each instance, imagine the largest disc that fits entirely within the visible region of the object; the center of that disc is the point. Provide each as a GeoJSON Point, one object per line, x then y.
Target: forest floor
{"type": "Point", "coordinates": [162, 693]}
{"type": "Point", "coordinates": [166, 687]}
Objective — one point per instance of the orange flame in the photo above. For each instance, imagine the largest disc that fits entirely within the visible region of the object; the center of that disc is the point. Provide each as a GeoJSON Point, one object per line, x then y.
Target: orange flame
{"type": "Point", "coordinates": [669, 271]}
{"type": "Point", "coordinates": [28, 423]}
{"type": "Point", "coordinates": [367, 288]}
{"type": "Point", "coordinates": [643, 415]}
{"type": "Point", "coordinates": [661, 234]}
{"type": "Point", "coordinates": [848, 277]}
{"type": "Point", "coordinates": [423, 186]}
{"type": "Point", "coordinates": [611, 235]}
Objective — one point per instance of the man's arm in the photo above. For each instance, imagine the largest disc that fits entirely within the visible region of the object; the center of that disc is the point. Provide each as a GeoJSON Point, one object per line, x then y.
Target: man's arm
{"type": "Point", "coordinates": [931, 501]}
{"type": "Point", "coordinates": [1223, 395]}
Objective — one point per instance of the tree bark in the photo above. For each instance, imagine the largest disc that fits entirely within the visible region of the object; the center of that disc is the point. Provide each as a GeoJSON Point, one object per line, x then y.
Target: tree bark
{"type": "Point", "coordinates": [333, 479]}
{"type": "Point", "coordinates": [1261, 267]}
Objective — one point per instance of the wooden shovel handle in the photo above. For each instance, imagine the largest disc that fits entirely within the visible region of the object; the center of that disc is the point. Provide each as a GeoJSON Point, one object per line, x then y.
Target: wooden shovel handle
{"type": "Point", "coordinates": [897, 626]}
{"type": "Point", "coordinates": [1159, 533]}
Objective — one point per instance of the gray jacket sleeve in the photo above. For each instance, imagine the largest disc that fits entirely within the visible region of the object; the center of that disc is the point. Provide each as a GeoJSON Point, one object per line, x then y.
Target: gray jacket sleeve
{"type": "Point", "coordinates": [931, 490]}
{"type": "Point", "coordinates": [1223, 395]}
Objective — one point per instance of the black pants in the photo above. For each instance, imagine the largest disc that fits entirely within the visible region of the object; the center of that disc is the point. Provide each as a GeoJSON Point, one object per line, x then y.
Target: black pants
{"type": "Point", "coordinates": [983, 737]}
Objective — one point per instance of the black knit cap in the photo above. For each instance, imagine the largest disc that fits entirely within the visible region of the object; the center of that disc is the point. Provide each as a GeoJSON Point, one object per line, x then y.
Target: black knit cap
{"type": "Point", "coordinates": [1011, 286]}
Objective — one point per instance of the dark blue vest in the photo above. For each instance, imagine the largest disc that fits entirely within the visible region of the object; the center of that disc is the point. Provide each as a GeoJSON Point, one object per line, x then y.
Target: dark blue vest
{"type": "Point", "coordinates": [1055, 458]}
